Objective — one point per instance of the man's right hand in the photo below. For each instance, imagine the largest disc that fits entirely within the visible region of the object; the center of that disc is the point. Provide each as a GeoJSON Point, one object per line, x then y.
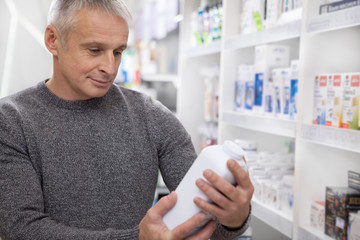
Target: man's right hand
{"type": "Point", "coordinates": [152, 226]}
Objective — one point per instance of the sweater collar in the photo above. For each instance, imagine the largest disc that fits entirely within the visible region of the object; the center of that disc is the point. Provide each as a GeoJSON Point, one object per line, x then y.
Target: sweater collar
{"type": "Point", "coordinates": [51, 98]}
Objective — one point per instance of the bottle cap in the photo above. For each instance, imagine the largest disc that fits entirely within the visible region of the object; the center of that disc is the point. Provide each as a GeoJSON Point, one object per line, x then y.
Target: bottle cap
{"type": "Point", "coordinates": [233, 149]}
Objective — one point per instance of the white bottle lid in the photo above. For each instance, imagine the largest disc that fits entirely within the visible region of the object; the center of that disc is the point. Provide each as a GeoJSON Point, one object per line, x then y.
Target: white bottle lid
{"type": "Point", "coordinates": [233, 150]}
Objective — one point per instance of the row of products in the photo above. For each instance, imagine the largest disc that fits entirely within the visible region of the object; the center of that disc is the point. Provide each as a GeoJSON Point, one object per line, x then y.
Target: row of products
{"type": "Point", "coordinates": [336, 100]}
{"type": "Point", "coordinates": [272, 174]}
{"type": "Point", "coordinates": [210, 76]}
{"type": "Point", "coordinates": [206, 22]}
{"type": "Point", "coordinates": [256, 15]}
{"type": "Point", "coordinates": [339, 215]}
{"type": "Point", "coordinates": [270, 86]}
{"type": "Point", "coordinates": [329, 6]}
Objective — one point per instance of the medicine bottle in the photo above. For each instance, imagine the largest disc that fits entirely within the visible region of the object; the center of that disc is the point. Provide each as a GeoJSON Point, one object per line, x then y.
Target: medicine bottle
{"type": "Point", "coordinates": [214, 158]}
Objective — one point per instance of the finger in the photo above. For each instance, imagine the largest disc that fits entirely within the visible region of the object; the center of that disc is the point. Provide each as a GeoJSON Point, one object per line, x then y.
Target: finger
{"type": "Point", "coordinates": [187, 227]}
{"type": "Point", "coordinates": [222, 185]}
{"type": "Point", "coordinates": [241, 175]}
{"type": "Point", "coordinates": [164, 204]}
{"type": "Point", "coordinates": [211, 208]}
{"type": "Point", "coordinates": [217, 197]}
{"type": "Point", "coordinates": [204, 233]}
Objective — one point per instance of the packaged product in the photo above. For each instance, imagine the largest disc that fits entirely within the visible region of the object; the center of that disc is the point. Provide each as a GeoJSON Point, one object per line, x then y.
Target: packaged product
{"type": "Point", "coordinates": [334, 100]}
{"type": "Point", "coordinates": [249, 89]}
{"type": "Point", "coordinates": [320, 91]}
{"type": "Point", "coordinates": [273, 11]}
{"type": "Point", "coordinates": [294, 88]}
{"type": "Point", "coordinates": [282, 84]}
{"type": "Point", "coordinates": [317, 215]}
{"type": "Point", "coordinates": [241, 78]}
{"type": "Point", "coordinates": [267, 57]}
{"type": "Point", "coordinates": [340, 202]}
{"type": "Point", "coordinates": [351, 95]}
{"type": "Point", "coordinates": [354, 226]}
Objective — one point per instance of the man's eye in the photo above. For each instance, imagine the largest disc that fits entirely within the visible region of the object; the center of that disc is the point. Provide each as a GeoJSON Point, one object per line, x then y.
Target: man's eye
{"type": "Point", "coordinates": [94, 50]}
{"type": "Point", "coordinates": [117, 53]}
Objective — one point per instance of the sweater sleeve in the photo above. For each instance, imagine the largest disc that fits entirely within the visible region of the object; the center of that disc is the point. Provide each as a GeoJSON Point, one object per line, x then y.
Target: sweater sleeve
{"type": "Point", "coordinates": [176, 155]}
{"type": "Point", "coordinates": [22, 212]}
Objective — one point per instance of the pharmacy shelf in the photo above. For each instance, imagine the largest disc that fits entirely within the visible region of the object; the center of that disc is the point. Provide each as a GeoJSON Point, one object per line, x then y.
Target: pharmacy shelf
{"type": "Point", "coordinates": [333, 137]}
{"type": "Point", "coordinates": [277, 33]}
{"type": "Point", "coordinates": [252, 121]}
{"type": "Point", "coordinates": [310, 233]}
{"type": "Point", "coordinates": [159, 77]}
{"type": "Point", "coordinates": [275, 218]}
{"type": "Point", "coordinates": [333, 21]}
{"type": "Point", "coordinates": [203, 50]}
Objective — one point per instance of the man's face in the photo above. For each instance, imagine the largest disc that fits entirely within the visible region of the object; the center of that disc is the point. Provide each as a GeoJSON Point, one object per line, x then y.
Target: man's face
{"type": "Point", "coordinates": [87, 66]}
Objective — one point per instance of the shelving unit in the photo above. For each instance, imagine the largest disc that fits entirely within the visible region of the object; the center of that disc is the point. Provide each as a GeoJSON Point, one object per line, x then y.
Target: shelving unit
{"type": "Point", "coordinates": [275, 218]}
{"type": "Point", "coordinates": [324, 44]}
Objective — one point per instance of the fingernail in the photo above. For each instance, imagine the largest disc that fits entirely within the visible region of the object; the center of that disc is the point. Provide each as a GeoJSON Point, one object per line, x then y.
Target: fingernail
{"type": "Point", "coordinates": [200, 182]}
{"type": "Point", "coordinates": [231, 163]}
{"type": "Point", "coordinates": [172, 195]}
{"type": "Point", "coordinates": [207, 173]}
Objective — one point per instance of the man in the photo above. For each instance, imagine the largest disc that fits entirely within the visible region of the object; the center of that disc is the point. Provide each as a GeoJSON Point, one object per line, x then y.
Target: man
{"type": "Point", "coordinates": [79, 156]}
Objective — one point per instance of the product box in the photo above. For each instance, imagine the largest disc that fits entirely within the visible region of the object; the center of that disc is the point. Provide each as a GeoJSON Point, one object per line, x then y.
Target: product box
{"type": "Point", "coordinates": [282, 84]}
{"type": "Point", "coordinates": [267, 57]}
{"type": "Point", "coordinates": [354, 180]}
{"type": "Point", "coordinates": [334, 100]}
{"type": "Point", "coordinates": [239, 95]}
{"type": "Point", "coordinates": [249, 90]}
{"type": "Point", "coordinates": [320, 91]}
{"type": "Point", "coordinates": [294, 88]}
{"type": "Point", "coordinates": [317, 215]}
{"type": "Point", "coordinates": [340, 202]}
{"type": "Point", "coordinates": [354, 226]}
{"type": "Point", "coordinates": [272, 12]}
{"type": "Point", "coordinates": [351, 95]}
{"type": "Point", "coordinates": [337, 6]}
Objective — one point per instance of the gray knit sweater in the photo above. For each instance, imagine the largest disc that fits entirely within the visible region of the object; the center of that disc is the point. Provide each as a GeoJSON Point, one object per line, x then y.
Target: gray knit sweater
{"type": "Point", "coordinates": [86, 169]}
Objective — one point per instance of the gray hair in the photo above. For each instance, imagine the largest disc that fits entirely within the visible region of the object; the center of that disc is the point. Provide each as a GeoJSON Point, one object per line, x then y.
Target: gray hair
{"type": "Point", "coordinates": [63, 16]}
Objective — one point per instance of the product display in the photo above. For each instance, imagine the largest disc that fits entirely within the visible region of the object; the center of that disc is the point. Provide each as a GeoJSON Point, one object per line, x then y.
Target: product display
{"type": "Point", "coordinates": [206, 22]}
{"type": "Point", "coordinates": [264, 87]}
{"type": "Point", "coordinates": [213, 157]}
{"type": "Point", "coordinates": [210, 75]}
{"type": "Point", "coordinates": [272, 174]}
{"type": "Point", "coordinates": [256, 15]}
{"type": "Point", "coordinates": [340, 202]}
{"type": "Point", "coordinates": [336, 100]}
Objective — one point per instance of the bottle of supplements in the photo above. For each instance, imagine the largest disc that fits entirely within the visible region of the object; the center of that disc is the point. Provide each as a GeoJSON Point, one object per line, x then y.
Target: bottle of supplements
{"type": "Point", "coordinates": [214, 158]}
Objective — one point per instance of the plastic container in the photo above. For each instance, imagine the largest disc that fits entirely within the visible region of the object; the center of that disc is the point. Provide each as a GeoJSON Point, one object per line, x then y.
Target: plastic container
{"type": "Point", "coordinates": [214, 158]}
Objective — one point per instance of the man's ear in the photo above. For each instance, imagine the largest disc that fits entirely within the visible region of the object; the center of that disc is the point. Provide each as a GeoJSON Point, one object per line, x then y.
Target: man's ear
{"type": "Point", "coordinates": [52, 40]}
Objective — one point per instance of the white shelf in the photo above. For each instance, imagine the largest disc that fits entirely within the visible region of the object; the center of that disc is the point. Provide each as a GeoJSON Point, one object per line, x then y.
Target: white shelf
{"type": "Point", "coordinates": [275, 218]}
{"type": "Point", "coordinates": [277, 33]}
{"type": "Point", "coordinates": [203, 50]}
{"type": "Point", "coordinates": [159, 77]}
{"type": "Point", "coordinates": [277, 126]}
{"type": "Point", "coordinates": [336, 20]}
{"type": "Point", "coordinates": [333, 137]}
{"type": "Point", "coordinates": [309, 233]}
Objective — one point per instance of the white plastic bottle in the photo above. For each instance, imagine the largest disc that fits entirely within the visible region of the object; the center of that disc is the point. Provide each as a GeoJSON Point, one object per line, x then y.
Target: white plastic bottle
{"type": "Point", "coordinates": [214, 158]}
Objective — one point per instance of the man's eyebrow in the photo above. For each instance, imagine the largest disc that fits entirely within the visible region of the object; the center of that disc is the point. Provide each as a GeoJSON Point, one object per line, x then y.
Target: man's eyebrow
{"type": "Point", "coordinates": [98, 44]}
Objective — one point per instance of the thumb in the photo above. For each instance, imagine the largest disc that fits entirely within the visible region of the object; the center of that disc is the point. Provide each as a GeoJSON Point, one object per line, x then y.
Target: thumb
{"type": "Point", "coordinates": [165, 204]}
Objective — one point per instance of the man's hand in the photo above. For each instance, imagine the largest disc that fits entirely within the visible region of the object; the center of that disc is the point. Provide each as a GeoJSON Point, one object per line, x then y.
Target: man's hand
{"type": "Point", "coordinates": [232, 203]}
{"type": "Point", "coordinates": [152, 226]}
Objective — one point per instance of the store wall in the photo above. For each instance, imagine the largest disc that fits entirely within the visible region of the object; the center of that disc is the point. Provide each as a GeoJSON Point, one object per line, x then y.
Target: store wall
{"type": "Point", "coordinates": [24, 60]}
